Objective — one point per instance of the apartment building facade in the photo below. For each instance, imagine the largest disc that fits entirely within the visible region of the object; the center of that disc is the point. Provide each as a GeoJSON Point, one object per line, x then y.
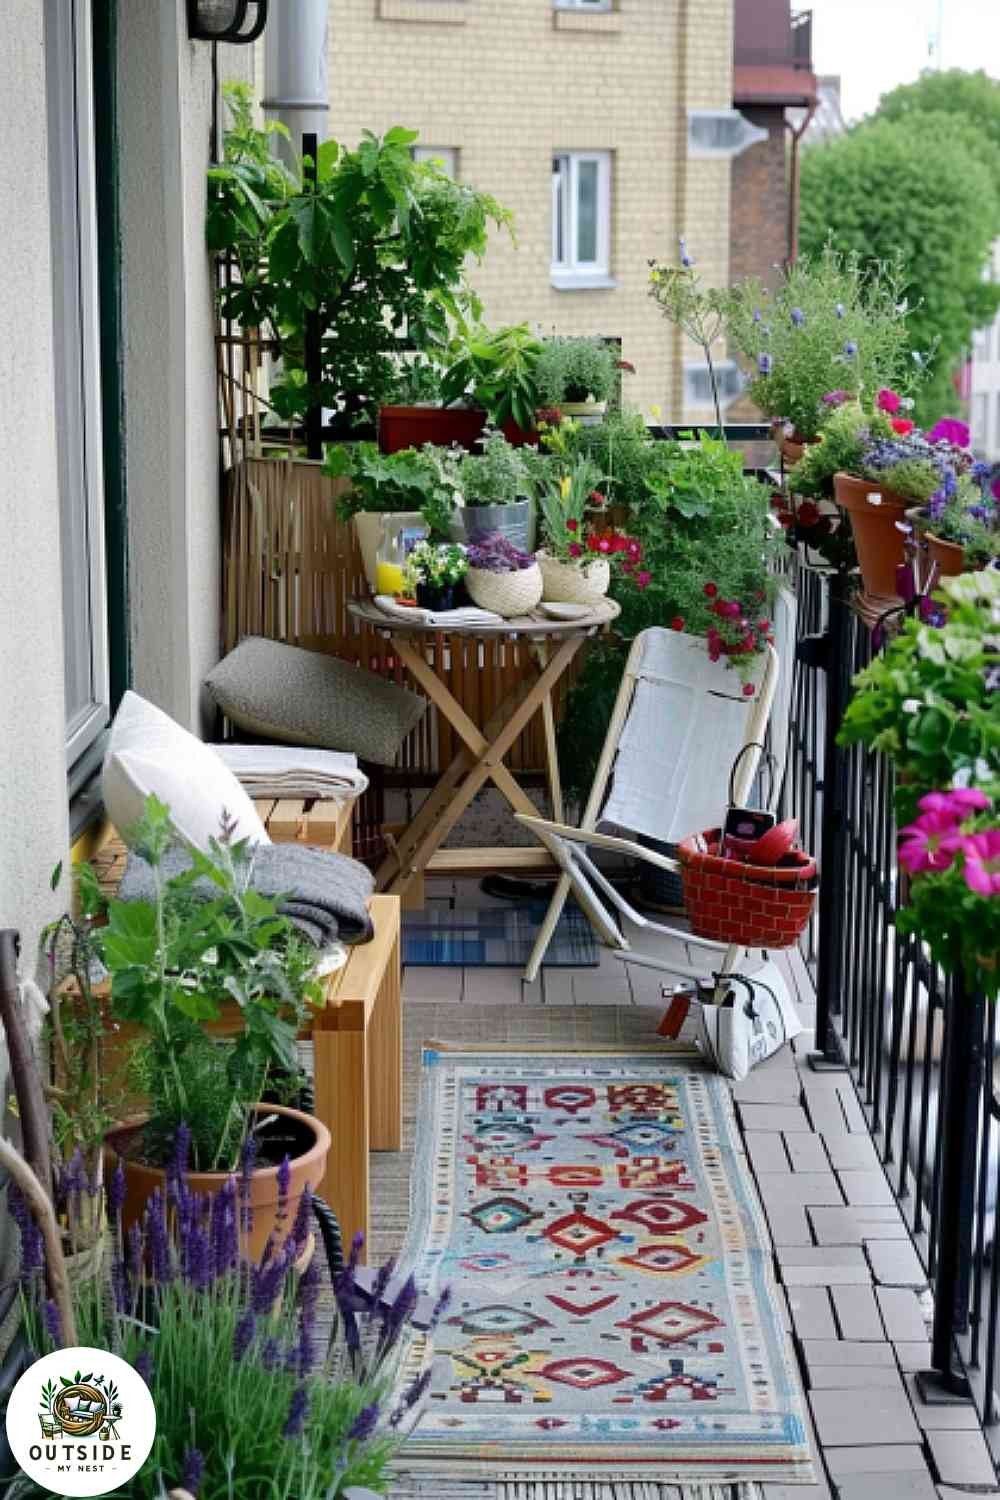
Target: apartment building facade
{"type": "Point", "coordinates": [984, 380]}
{"type": "Point", "coordinates": [593, 121]}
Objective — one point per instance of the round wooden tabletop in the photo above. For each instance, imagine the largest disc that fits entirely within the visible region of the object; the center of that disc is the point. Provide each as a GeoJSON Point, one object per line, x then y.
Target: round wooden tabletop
{"type": "Point", "coordinates": [535, 626]}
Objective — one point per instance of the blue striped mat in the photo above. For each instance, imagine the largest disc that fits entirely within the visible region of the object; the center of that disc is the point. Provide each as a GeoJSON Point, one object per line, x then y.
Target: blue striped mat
{"type": "Point", "coordinates": [496, 937]}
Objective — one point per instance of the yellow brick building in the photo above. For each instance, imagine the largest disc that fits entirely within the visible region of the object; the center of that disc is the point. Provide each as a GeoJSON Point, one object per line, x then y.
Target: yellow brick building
{"type": "Point", "coordinates": [575, 114]}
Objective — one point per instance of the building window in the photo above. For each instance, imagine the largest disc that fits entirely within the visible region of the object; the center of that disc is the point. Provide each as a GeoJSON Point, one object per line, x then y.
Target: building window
{"type": "Point", "coordinates": [445, 156]}
{"type": "Point", "coordinates": [583, 5]}
{"type": "Point", "coordinates": [581, 216]}
{"type": "Point", "coordinates": [73, 199]}
{"type": "Point", "coordinates": [698, 383]}
{"type": "Point", "coordinates": [721, 133]}
{"type": "Point", "coordinates": [980, 421]}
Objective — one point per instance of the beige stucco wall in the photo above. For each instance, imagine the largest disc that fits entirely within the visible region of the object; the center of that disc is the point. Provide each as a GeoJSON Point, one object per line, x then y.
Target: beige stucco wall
{"type": "Point", "coordinates": [171, 411]}
{"type": "Point", "coordinates": [33, 814]}
{"type": "Point", "coordinates": [509, 85]}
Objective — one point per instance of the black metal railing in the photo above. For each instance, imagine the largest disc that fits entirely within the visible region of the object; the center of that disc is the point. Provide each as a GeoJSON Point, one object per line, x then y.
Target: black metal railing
{"type": "Point", "coordinates": [921, 1049]}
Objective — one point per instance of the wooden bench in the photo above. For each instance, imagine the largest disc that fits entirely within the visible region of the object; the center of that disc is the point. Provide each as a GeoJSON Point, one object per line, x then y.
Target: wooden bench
{"type": "Point", "coordinates": [357, 1037]}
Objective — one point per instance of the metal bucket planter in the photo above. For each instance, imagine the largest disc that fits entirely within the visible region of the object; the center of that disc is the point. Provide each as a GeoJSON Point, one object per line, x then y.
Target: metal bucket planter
{"type": "Point", "coordinates": [515, 521]}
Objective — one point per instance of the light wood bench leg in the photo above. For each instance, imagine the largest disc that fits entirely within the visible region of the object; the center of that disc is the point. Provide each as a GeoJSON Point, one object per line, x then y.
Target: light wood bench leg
{"type": "Point", "coordinates": [385, 1058]}
{"type": "Point", "coordinates": [343, 1104]}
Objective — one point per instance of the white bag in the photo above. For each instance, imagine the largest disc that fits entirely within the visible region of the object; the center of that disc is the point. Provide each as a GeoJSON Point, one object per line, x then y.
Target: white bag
{"type": "Point", "coordinates": [755, 1018]}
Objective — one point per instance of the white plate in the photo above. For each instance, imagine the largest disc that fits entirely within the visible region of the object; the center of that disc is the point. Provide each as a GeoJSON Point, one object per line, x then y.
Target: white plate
{"type": "Point", "coordinates": [567, 611]}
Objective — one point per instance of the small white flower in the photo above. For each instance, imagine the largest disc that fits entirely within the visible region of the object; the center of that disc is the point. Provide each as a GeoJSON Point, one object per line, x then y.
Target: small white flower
{"type": "Point", "coordinates": [912, 705]}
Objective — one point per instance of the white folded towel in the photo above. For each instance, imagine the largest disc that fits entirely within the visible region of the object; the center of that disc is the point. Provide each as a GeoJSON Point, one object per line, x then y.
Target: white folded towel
{"type": "Point", "coordinates": [468, 616]}
{"type": "Point", "coordinates": [294, 771]}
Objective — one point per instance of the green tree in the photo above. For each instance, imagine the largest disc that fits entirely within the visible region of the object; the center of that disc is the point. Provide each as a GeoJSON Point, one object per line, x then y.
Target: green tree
{"type": "Point", "coordinates": [973, 96]}
{"type": "Point", "coordinates": [925, 184]}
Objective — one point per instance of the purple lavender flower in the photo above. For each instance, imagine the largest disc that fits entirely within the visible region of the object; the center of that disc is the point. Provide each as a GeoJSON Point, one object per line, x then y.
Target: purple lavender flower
{"type": "Point", "coordinates": [980, 473]}
{"type": "Point", "coordinates": [194, 1471]}
{"type": "Point", "coordinates": [758, 315]}
{"type": "Point", "coordinates": [268, 1279]}
{"type": "Point", "coordinates": [31, 1235]}
{"type": "Point", "coordinates": [686, 260]}
{"type": "Point", "coordinates": [182, 1149]}
{"type": "Point", "coordinates": [410, 1397]}
{"type": "Point", "coordinates": [352, 1333]}
{"type": "Point", "coordinates": [284, 1182]}
{"type": "Point", "coordinates": [224, 1230]}
{"type": "Point", "coordinates": [270, 1355]}
{"type": "Point", "coordinates": [159, 1241]}
{"type": "Point", "coordinates": [364, 1424]}
{"type": "Point", "coordinates": [133, 1251]}
{"type": "Point", "coordinates": [303, 1217]}
{"type": "Point", "coordinates": [850, 348]}
{"type": "Point", "coordinates": [383, 1278]}
{"type": "Point", "coordinates": [840, 309]}
{"type": "Point", "coordinates": [52, 1321]}
{"type": "Point", "coordinates": [248, 1158]}
{"type": "Point", "coordinates": [765, 364]}
{"type": "Point", "coordinates": [243, 1334]}
{"type": "Point", "coordinates": [937, 505]}
{"type": "Point", "coordinates": [116, 1191]}
{"type": "Point", "coordinates": [74, 1178]}
{"type": "Point", "coordinates": [297, 1409]}
{"type": "Point", "coordinates": [119, 1285]}
{"type": "Point", "coordinates": [797, 316]}
{"type": "Point", "coordinates": [196, 1252]}
{"type": "Point", "coordinates": [144, 1365]}
{"type": "Point", "coordinates": [979, 512]}
{"type": "Point", "coordinates": [395, 1317]}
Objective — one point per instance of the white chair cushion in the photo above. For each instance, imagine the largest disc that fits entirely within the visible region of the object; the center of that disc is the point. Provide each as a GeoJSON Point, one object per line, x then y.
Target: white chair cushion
{"type": "Point", "coordinates": [148, 753]}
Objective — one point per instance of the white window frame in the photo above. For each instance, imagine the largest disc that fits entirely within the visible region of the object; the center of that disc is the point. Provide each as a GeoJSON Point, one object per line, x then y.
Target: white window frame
{"type": "Point", "coordinates": [569, 272]}
{"type": "Point", "coordinates": [584, 5]}
{"type": "Point", "coordinates": [77, 364]}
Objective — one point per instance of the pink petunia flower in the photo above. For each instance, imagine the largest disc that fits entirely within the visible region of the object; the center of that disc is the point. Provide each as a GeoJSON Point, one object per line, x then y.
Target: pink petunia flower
{"type": "Point", "coordinates": [949, 430]}
{"type": "Point", "coordinates": [888, 401]}
{"type": "Point", "coordinates": [643, 579]}
{"type": "Point", "coordinates": [982, 862]}
{"type": "Point", "coordinates": [956, 804]}
{"type": "Point", "coordinates": [929, 844]}
{"type": "Point", "coordinates": [575, 550]}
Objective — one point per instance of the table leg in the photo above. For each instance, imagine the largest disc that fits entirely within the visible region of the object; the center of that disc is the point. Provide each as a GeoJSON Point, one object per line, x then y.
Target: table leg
{"type": "Point", "coordinates": [385, 1059]}
{"type": "Point", "coordinates": [341, 1074]}
{"type": "Point", "coordinates": [548, 927]}
{"type": "Point", "coordinates": [551, 748]}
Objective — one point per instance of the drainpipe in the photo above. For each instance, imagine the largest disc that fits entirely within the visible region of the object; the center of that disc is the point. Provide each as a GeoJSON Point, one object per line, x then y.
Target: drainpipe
{"type": "Point", "coordinates": [793, 183]}
{"type": "Point", "coordinates": [295, 72]}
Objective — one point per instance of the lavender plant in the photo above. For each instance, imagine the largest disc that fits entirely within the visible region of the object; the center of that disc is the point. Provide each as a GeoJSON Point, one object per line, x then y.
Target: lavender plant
{"type": "Point", "coordinates": [914, 468]}
{"type": "Point", "coordinates": [251, 1403]}
{"type": "Point", "coordinates": [969, 514]}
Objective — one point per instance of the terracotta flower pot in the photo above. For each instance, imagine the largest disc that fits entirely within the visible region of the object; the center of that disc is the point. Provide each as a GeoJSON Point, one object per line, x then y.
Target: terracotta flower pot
{"type": "Point", "coordinates": [309, 1167]}
{"type": "Point", "coordinates": [874, 514]}
{"type": "Point", "coordinates": [949, 556]}
{"type": "Point", "coordinates": [790, 448]}
{"type": "Point", "coordinates": [412, 426]}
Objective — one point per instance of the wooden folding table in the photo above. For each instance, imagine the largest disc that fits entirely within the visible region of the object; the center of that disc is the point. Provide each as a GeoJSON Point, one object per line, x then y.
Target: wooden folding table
{"type": "Point", "coordinates": [418, 850]}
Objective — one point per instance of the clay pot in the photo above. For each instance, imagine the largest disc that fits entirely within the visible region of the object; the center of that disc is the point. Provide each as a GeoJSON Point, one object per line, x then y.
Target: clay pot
{"type": "Point", "coordinates": [949, 556]}
{"type": "Point", "coordinates": [790, 448]}
{"type": "Point", "coordinates": [877, 538]}
{"type": "Point", "coordinates": [307, 1167]}
{"type": "Point", "coordinates": [412, 426]}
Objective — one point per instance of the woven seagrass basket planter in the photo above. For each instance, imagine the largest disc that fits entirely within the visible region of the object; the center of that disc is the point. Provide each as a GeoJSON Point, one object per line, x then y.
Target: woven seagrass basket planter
{"type": "Point", "coordinates": [574, 583]}
{"type": "Point", "coordinates": [507, 594]}
{"type": "Point", "coordinates": [754, 906]}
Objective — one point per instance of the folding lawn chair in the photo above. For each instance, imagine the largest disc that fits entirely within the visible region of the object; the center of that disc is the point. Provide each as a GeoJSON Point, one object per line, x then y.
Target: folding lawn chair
{"type": "Point", "coordinates": [679, 722]}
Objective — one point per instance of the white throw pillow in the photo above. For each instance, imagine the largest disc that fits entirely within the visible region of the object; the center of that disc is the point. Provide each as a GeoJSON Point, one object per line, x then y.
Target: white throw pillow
{"type": "Point", "coordinates": [148, 753]}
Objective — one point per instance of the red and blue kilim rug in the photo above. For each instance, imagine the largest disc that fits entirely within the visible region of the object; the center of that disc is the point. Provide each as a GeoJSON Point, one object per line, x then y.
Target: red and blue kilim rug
{"type": "Point", "coordinates": [613, 1316]}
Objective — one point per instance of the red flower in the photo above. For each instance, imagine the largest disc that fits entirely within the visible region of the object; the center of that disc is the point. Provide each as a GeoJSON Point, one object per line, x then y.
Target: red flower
{"type": "Point", "coordinates": [643, 580]}
{"type": "Point", "coordinates": [593, 541]}
{"type": "Point", "coordinates": [596, 498]}
{"type": "Point", "coordinates": [728, 608]}
{"type": "Point", "coordinates": [711, 589]}
{"type": "Point", "coordinates": [748, 690]}
{"type": "Point", "coordinates": [808, 513]}
{"type": "Point", "coordinates": [901, 425]}
{"type": "Point", "coordinates": [604, 545]}
{"type": "Point", "coordinates": [764, 625]}
{"type": "Point", "coordinates": [619, 543]}
{"type": "Point", "coordinates": [626, 364]}
{"type": "Point", "coordinates": [633, 549]}
{"type": "Point", "coordinates": [572, 525]}
{"type": "Point", "coordinates": [677, 623]}
{"type": "Point", "coordinates": [575, 550]}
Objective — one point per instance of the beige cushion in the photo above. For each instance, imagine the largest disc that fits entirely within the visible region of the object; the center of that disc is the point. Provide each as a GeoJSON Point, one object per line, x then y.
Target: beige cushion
{"type": "Point", "coordinates": [308, 698]}
{"type": "Point", "coordinates": [149, 754]}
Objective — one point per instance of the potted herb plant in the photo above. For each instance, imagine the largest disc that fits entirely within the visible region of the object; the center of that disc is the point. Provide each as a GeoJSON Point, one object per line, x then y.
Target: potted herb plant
{"type": "Point", "coordinates": [831, 324]}
{"type": "Point", "coordinates": [579, 554]}
{"type": "Point", "coordinates": [962, 530]}
{"type": "Point", "coordinates": [417, 487]}
{"type": "Point", "coordinates": [496, 494]}
{"type": "Point", "coordinates": [502, 578]}
{"type": "Point", "coordinates": [576, 377]}
{"type": "Point", "coordinates": [433, 573]}
{"type": "Point", "coordinates": [493, 373]}
{"type": "Point", "coordinates": [174, 963]}
{"type": "Point", "coordinates": [894, 474]}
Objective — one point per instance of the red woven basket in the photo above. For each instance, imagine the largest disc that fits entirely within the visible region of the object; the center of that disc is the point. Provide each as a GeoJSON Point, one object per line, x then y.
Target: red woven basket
{"type": "Point", "coordinates": [756, 906]}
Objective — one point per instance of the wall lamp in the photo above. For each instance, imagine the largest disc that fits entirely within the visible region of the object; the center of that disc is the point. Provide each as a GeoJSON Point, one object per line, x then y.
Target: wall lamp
{"type": "Point", "coordinates": [236, 21]}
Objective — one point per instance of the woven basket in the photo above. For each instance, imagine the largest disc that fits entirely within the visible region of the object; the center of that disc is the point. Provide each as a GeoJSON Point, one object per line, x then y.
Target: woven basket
{"type": "Point", "coordinates": [507, 594]}
{"type": "Point", "coordinates": [754, 906]}
{"type": "Point", "coordinates": [574, 583]}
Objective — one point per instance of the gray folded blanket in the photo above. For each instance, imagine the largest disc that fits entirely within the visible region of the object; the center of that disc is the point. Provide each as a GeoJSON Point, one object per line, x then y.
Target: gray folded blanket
{"type": "Point", "coordinates": [324, 895]}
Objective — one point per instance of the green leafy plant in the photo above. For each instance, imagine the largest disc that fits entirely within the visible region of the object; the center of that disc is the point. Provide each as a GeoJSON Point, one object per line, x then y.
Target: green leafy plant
{"type": "Point", "coordinates": [174, 962]}
{"type": "Point", "coordinates": [575, 370]}
{"type": "Point", "coordinates": [696, 310]}
{"type": "Point", "coordinates": [928, 701]}
{"type": "Point", "coordinates": [414, 479]}
{"type": "Point", "coordinates": [835, 323]}
{"type": "Point", "coordinates": [497, 476]}
{"type": "Point", "coordinates": [495, 369]}
{"type": "Point", "coordinates": [369, 244]}
{"type": "Point", "coordinates": [839, 447]}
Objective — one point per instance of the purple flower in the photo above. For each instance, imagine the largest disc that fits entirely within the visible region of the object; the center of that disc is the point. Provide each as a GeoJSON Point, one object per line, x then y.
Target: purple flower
{"type": "Point", "coordinates": [991, 679]}
{"type": "Point", "coordinates": [410, 1398]}
{"type": "Point", "coordinates": [224, 1231]}
{"type": "Point", "coordinates": [182, 1150]}
{"type": "Point", "coordinates": [116, 1191]}
{"type": "Point", "coordinates": [357, 1245]}
{"type": "Point", "coordinates": [133, 1251]}
{"type": "Point", "coordinates": [194, 1471]}
{"type": "Point", "coordinates": [197, 1257]}
{"type": "Point", "coordinates": [364, 1424]}
{"type": "Point", "coordinates": [159, 1243]}
{"type": "Point", "coordinates": [248, 1158]}
{"type": "Point", "coordinates": [395, 1317]}
{"type": "Point", "coordinates": [494, 553]}
{"type": "Point", "coordinates": [758, 315]}
{"type": "Point", "coordinates": [297, 1409]}
{"type": "Point", "coordinates": [686, 260]}
{"type": "Point", "coordinates": [119, 1285]}
{"type": "Point", "coordinates": [267, 1280]}
{"type": "Point", "coordinates": [31, 1235]}
{"type": "Point", "coordinates": [270, 1355]}
{"type": "Point", "coordinates": [850, 348]}
{"type": "Point", "coordinates": [144, 1365]}
{"type": "Point", "coordinates": [840, 309]}
{"type": "Point", "coordinates": [836, 398]}
{"type": "Point", "coordinates": [949, 430]}
{"type": "Point", "coordinates": [74, 1176]}
{"type": "Point", "coordinates": [284, 1182]}
{"type": "Point", "coordinates": [797, 316]}
{"type": "Point", "coordinates": [303, 1217]}
{"type": "Point", "coordinates": [52, 1321]}
{"type": "Point", "coordinates": [765, 364]}
{"type": "Point", "coordinates": [383, 1278]}
{"type": "Point", "coordinates": [937, 505]}
{"type": "Point", "coordinates": [959, 803]}
{"type": "Point", "coordinates": [243, 1334]}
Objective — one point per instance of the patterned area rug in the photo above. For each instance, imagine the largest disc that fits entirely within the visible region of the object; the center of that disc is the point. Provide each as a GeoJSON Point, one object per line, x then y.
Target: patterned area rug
{"type": "Point", "coordinates": [496, 937]}
{"type": "Point", "coordinates": [613, 1314]}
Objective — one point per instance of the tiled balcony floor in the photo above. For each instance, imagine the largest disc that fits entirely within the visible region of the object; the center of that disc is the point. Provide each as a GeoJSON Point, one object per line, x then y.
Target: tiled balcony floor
{"type": "Point", "coordinates": [855, 1290]}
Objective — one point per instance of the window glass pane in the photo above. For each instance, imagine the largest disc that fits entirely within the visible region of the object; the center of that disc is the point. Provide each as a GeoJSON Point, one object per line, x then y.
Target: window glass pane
{"type": "Point", "coordinates": [559, 166]}
{"type": "Point", "coordinates": [586, 211]}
